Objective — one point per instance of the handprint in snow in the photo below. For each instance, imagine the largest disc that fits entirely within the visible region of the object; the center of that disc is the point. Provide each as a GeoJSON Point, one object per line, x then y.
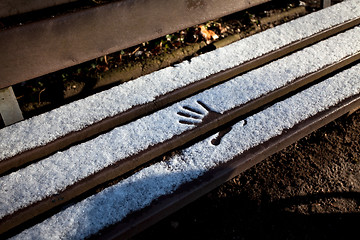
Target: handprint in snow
{"type": "Point", "coordinates": [199, 115]}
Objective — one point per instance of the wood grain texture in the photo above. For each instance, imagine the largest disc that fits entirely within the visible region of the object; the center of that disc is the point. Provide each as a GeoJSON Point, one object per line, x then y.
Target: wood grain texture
{"type": "Point", "coordinates": [39, 48]}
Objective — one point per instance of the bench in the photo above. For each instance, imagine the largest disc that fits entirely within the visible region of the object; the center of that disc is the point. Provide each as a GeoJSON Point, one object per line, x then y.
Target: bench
{"type": "Point", "coordinates": [221, 112]}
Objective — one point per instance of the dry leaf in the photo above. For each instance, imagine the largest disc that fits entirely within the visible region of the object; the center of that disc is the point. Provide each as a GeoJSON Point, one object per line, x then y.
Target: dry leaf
{"type": "Point", "coordinates": [208, 34]}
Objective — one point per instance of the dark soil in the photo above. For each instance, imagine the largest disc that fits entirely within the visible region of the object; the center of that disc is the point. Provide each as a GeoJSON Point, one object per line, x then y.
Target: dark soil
{"type": "Point", "coordinates": [310, 190]}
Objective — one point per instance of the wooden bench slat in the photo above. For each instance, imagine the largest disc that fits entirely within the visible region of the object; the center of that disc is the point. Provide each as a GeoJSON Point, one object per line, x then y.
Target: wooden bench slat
{"type": "Point", "coordinates": [268, 130]}
{"type": "Point", "coordinates": [46, 46]}
{"type": "Point", "coordinates": [82, 128]}
{"type": "Point", "coordinates": [14, 7]}
{"type": "Point", "coordinates": [255, 88]}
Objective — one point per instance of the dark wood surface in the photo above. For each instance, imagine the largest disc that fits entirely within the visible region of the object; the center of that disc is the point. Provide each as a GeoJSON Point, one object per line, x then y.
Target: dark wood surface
{"type": "Point", "coordinates": [42, 47]}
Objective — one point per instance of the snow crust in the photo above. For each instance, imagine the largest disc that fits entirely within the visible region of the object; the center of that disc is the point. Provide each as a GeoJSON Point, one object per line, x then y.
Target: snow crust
{"type": "Point", "coordinates": [57, 172]}
{"type": "Point", "coordinates": [141, 189]}
{"type": "Point", "coordinates": [75, 116]}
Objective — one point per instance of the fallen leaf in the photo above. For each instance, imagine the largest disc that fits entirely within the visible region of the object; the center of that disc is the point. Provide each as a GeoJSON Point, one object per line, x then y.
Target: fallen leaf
{"type": "Point", "coordinates": [208, 35]}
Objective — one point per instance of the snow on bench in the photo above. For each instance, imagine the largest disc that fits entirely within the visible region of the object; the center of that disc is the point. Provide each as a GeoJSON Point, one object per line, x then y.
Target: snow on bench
{"type": "Point", "coordinates": [55, 174]}
{"type": "Point", "coordinates": [78, 115]}
{"type": "Point", "coordinates": [40, 186]}
{"type": "Point", "coordinates": [141, 189]}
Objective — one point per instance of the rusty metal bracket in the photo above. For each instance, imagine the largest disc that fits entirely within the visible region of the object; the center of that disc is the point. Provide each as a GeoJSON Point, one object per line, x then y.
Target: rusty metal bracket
{"type": "Point", "coordinates": [325, 3]}
{"type": "Point", "coordinates": [9, 107]}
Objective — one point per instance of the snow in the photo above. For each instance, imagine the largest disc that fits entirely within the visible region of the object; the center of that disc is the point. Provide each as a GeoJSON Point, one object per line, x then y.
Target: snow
{"type": "Point", "coordinates": [80, 114]}
{"type": "Point", "coordinates": [141, 189]}
{"type": "Point", "coordinates": [57, 172]}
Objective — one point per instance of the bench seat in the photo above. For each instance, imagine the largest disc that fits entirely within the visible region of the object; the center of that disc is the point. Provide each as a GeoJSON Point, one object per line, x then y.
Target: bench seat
{"type": "Point", "coordinates": [231, 126]}
{"type": "Point", "coordinates": [86, 118]}
{"type": "Point", "coordinates": [167, 177]}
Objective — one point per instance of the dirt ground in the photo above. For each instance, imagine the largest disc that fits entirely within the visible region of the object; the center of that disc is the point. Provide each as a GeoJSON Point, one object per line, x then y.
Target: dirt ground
{"type": "Point", "coordinates": [310, 190]}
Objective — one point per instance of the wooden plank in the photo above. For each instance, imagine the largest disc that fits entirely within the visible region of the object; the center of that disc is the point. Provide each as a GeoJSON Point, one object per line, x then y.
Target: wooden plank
{"type": "Point", "coordinates": [46, 46]}
{"type": "Point", "coordinates": [13, 7]}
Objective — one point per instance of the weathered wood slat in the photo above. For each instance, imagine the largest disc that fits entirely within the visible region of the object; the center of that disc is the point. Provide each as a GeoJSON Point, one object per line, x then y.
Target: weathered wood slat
{"type": "Point", "coordinates": [14, 7]}
{"type": "Point", "coordinates": [46, 46]}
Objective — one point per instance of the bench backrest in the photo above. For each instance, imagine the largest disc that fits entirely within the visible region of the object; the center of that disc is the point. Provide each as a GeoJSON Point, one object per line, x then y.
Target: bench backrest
{"type": "Point", "coordinates": [34, 49]}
